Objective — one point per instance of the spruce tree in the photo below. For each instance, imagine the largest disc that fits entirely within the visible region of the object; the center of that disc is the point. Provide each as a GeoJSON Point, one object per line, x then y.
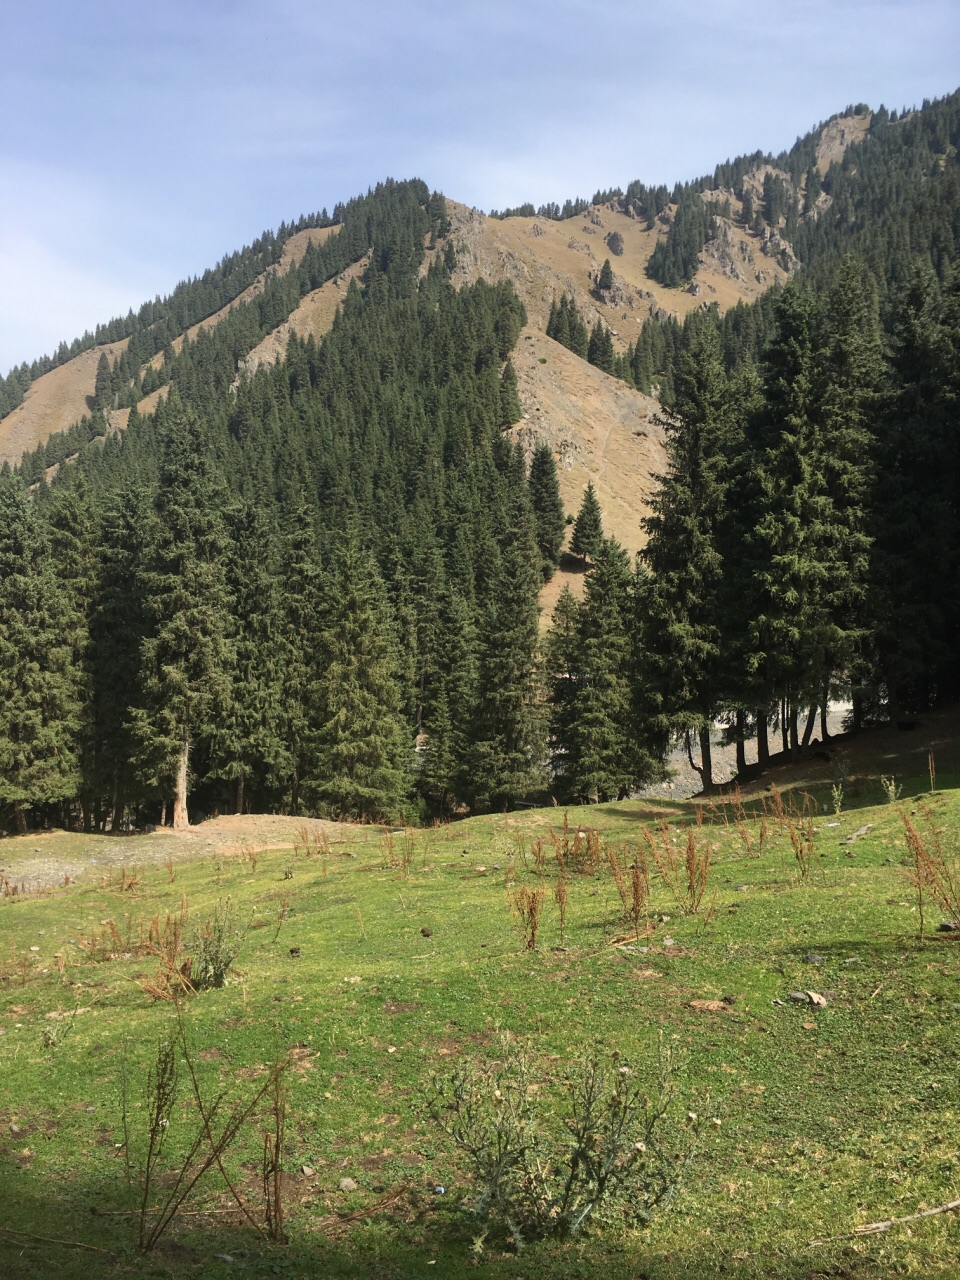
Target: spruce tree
{"type": "Point", "coordinates": [505, 754]}
{"type": "Point", "coordinates": [511, 410]}
{"type": "Point", "coordinates": [38, 713]}
{"type": "Point", "coordinates": [587, 537]}
{"type": "Point", "coordinates": [547, 508]}
{"type": "Point", "coordinates": [560, 670]}
{"type": "Point", "coordinates": [118, 627]}
{"type": "Point", "coordinates": [685, 660]}
{"type": "Point", "coordinates": [363, 746]}
{"type": "Point", "coordinates": [247, 744]}
{"type": "Point", "coordinates": [600, 757]}
{"type": "Point", "coordinates": [187, 654]}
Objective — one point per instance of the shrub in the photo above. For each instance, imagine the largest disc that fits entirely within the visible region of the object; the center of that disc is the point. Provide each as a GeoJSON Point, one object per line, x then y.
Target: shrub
{"type": "Point", "coordinates": [613, 1146]}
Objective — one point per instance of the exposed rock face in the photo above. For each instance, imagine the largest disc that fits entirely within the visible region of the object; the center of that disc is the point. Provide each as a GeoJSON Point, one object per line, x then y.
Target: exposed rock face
{"type": "Point", "coordinates": [774, 246]}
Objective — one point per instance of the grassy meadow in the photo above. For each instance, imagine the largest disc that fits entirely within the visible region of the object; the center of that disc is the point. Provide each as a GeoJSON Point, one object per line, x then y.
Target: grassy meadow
{"type": "Point", "coordinates": [373, 960]}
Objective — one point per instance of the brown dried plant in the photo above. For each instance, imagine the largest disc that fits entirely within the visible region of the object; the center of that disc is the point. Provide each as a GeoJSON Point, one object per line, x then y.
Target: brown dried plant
{"type": "Point", "coordinates": [934, 871]}
{"type": "Point", "coordinates": [687, 877]}
{"type": "Point", "coordinates": [562, 895]}
{"type": "Point", "coordinates": [527, 906]}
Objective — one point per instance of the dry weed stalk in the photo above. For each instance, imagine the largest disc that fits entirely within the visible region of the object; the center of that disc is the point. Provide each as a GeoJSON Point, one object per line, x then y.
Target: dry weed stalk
{"type": "Point", "coordinates": [527, 906]}
{"type": "Point", "coordinates": [562, 894]}
{"type": "Point", "coordinates": [639, 892]}
{"type": "Point", "coordinates": [932, 767]}
{"type": "Point", "coordinates": [935, 872]}
{"type": "Point", "coordinates": [801, 833]}
{"type": "Point", "coordinates": [687, 879]}
{"type": "Point", "coordinates": [539, 858]}
{"type": "Point", "coordinates": [581, 852]}
{"type": "Point", "coordinates": [206, 1149]}
{"type": "Point", "coordinates": [619, 879]}
{"type": "Point", "coordinates": [763, 836]}
{"type": "Point", "coordinates": [271, 1169]}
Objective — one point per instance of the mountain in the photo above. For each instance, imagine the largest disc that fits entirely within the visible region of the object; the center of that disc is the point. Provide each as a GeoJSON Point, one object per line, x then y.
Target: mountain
{"type": "Point", "coordinates": [303, 520]}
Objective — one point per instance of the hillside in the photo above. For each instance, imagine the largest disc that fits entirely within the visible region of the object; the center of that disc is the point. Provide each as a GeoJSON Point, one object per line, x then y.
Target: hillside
{"type": "Point", "coordinates": [58, 399]}
{"type": "Point", "coordinates": [803, 1007]}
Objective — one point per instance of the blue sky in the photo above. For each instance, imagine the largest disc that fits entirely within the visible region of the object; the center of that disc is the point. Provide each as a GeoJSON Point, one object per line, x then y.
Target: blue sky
{"type": "Point", "coordinates": [139, 143]}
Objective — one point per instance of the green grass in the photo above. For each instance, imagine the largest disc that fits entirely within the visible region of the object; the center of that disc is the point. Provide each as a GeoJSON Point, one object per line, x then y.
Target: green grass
{"type": "Point", "coordinates": [830, 1118]}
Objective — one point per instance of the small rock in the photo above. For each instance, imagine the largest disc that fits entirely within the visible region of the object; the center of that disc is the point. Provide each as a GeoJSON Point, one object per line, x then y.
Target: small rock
{"type": "Point", "coordinates": [348, 1184]}
{"type": "Point", "coordinates": [740, 888]}
{"type": "Point", "coordinates": [813, 958]}
{"type": "Point", "coordinates": [223, 1257]}
{"type": "Point", "coordinates": [307, 1171]}
{"type": "Point", "coordinates": [15, 1130]}
{"type": "Point", "coordinates": [817, 1000]}
{"type": "Point", "coordinates": [295, 952]}
{"type": "Point", "coordinates": [798, 997]}
{"type": "Point", "coordinates": [669, 942]}
{"type": "Point", "coordinates": [946, 926]}
{"type": "Point", "coordinates": [426, 933]}
{"type": "Point", "coordinates": [955, 1008]}
{"type": "Point", "coordinates": [780, 1002]}
{"type": "Point", "coordinates": [439, 1191]}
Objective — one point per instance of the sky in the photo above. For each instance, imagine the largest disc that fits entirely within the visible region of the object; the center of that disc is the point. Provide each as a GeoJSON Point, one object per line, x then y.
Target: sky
{"type": "Point", "coordinates": [139, 143]}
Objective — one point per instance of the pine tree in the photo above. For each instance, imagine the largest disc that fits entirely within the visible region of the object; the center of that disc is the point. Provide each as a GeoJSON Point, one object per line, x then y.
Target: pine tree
{"type": "Point", "coordinates": [914, 559]}
{"type": "Point", "coordinates": [505, 753]}
{"type": "Point", "coordinates": [304, 620]}
{"type": "Point", "coordinates": [600, 763]}
{"type": "Point", "coordinates": [560, 677]}
{"type": "Point", "coordinates": [510, 408]}
{"type": "Point", "coordinates": [605, 278]}
{"type": "Point", "coordinates": [118, 627]}
{"type": "Point", "coordinates": [187, 654]}
{"type": "Point", "coordinates": [38, 715]}
{"type": "Point", "coordinates": [685, 660]}
{"type": "Point", "coordinates": [587, 537]}
{"type": "Point", "coordinates": [363, 746]}
{"type": "Point", "coordinates": [247, 742]}
{"type": "Point", "coordinates": [547, 508]}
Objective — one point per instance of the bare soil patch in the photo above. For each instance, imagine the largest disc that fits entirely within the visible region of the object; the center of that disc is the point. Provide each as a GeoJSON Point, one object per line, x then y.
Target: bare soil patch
{"type": "Point", "coordinates": [42, 860]}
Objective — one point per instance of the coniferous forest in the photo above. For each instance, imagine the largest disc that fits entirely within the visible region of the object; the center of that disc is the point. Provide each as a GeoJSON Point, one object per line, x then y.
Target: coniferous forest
{"type": "Point", "coordinates": [315, 588]}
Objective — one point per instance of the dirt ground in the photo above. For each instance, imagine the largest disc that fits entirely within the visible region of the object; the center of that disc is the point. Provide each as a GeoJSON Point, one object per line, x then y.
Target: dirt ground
{"type": "Point", "coordinates": [43, 859]}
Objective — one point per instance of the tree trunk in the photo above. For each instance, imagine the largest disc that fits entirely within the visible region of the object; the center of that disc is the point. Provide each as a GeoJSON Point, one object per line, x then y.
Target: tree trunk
{"type": "Point", "coordinates": [239, 808]}
{"type": "Point", "coordinates": [763, 743]}
{"type": "Point", "coordinates": [741, 745]}
{"type": "Point", "coordinates": [808, 727]}
{"type": "Point", "coordinates": [824, 714]}
{"type": "Point", "coordinates": [784, 732]}
{"type": "Point", "coordinates": [181, 819]}
{"type": "Point", "coordinates": [857, 712]}
{"type": "Point", "coordinates": [794, 736]}
{"type": "Point", "coordinates": [20, 817]}
{"type": "Point", "coordinates": [706, 757]}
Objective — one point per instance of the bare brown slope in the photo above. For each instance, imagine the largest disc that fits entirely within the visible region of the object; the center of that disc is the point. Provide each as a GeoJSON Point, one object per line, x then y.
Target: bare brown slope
{"type": "Point", "coordinates": [600, 430]}
{"type": "Point", "coordinates": [545, 258]}
{"type": "Point", "coordinates": [314, 316]}
{"type": "Point", "coordinates": [62, 397]}
{"type": "Point", "coordinates": [54, 402]}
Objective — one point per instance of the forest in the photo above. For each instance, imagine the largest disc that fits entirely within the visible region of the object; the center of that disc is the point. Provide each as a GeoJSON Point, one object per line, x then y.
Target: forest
{"type": "Point", "coordinates": [315, 588]}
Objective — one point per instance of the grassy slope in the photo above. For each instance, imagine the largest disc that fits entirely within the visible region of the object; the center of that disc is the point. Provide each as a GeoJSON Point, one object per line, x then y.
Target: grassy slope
{"type": "Point", "coordinates": [830, 1118]}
